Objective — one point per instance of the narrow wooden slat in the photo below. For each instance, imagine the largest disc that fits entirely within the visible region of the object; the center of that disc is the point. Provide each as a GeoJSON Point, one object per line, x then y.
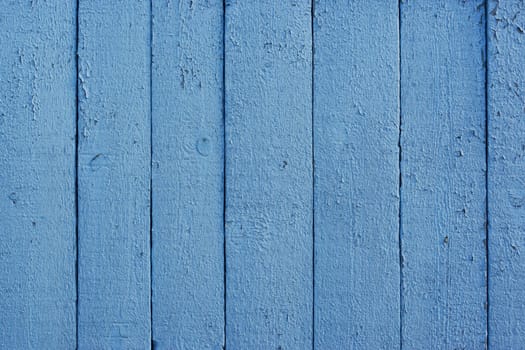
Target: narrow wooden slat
{"type": "Point", "coordinates": [114, 175]}
{"type": "Point", "coordinates": [268, 175]}
{"type": "Point", "coordinates": [37, 175]}
{"type": "Point", "coordinates": [188, 133]}
{"type": "Point", "coordinates": [356, 129]}
{"type": "Point", "coordinates": [443, 174]}
{"type": "Point", "coordinates": [506, 182]}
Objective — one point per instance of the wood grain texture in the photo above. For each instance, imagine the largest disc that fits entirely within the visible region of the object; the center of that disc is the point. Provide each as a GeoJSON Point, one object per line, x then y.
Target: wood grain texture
{"type": "Point", "coordinates": [506, 185]}
{"type": "Point", "coordinates": [37, 175]}
{"type": "Point", "coordinates": [268, 175]}
{"type": "Point", "coordinates": [356, 128]}
{"type": "Point", "coordinates": [114, 175]}
{"type": "Point", "coordinates": [443, 175]}
{"type": "Point", "coordinates": [188, 162]}
{"type": "Point", "coordinates": [289, 174]}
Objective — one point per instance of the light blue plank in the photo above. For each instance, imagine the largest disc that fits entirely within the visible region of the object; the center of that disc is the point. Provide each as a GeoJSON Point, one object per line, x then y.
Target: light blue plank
{"type": "Point", "coordinates": [356, 131]}
{"type": "Point", "coordinates": [268, 174]}
{"type": "Point", "coordinates": [37, 175]}
{"type": "Point", "coordinates": [443, 175]}
{"type": "Point", "coordinates": [506, 182]}
{"type": "Point", "coordinates": [114, 175]}
{"type": "Point", "coordinates": [188, 134]}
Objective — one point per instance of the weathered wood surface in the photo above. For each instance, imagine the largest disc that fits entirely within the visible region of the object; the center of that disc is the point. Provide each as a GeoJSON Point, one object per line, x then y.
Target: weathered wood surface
{"type": "Point", "coordinates": [268, 77]}
{"type": "Point", "coordinates": [443, 175]}
{"type": "Point", "coordinates": [506, 170]}
{"type": "Point", "coordinates": [114, 174]}
{"type": "Point", "coordinates": [262, 174]}
{"type": "Point", "coordinates": [356, 152]}
{"type": "Point", "coordinates": [37, 175]}
{"type": "Point", "coordinates": [187, 182]}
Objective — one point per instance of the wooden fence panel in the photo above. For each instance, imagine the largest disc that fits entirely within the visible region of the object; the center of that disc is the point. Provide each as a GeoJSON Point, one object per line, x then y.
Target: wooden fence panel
{"type": "Point", "coordinates": [506, 169]}
{"type": "Point", "coordinates": [188, 162]}
{"type": "Point", "coordinates": [443, 175]}
{"type": "Point", "coordinates": [114, 174]}
{"type": "Point", "coordinates": [37, 175]}
{"type": "Point", "coordinates": [268, 77]}
{"type": "Point", "coordinates": [356, 152]}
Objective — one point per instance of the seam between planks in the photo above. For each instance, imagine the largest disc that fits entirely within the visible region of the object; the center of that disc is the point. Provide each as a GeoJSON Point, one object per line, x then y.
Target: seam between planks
{"type": "Point", "coordinates": [151, 174]}
{"type": "Point", "coordinates": [312, 16]}
{"type": "Point", "coordinates": [76, 168]}
{"type": "Point", "coordinates": [487, 250]}
{"type": "Point", "coordinates": [400, 223]}
{"type": "Point", "coordinates": [224, 168]}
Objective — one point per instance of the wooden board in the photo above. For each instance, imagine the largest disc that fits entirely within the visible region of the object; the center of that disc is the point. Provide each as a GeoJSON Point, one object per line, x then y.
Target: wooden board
{"type": "Point", "coordinates": [443, 175]}
{"type": "Point", "coordinates": [37, 175]}
{"type": "Point", "coordinates": [268, 62]}
{"type": "Point", "coordinates": [114, 175]}
{"type": "Point", "coordinates": [188, 162]}
{"type": "Point", "coordinates": [356, 131]}
{"type": "Point", "coordinates": [506, 186]}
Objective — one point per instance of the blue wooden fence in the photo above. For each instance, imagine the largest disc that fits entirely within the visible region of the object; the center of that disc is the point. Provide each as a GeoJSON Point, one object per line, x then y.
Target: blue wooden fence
{"type": "Point", "coordinates": [206, 174]}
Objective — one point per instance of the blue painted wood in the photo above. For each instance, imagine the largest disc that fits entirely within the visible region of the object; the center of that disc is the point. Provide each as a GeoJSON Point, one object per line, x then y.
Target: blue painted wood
{"type": "Point", "coordinates": [506, 185]}
{"type": "Point", "coordinates": [268, 175]}
{"type": "Point", "coordinates": [188, 162]}
{"type": "Point", "coordinates": [443, 175]}
{"type": "Point", "coordinates": [172, 138]}
{"type": "Point", "coordinates": [37, 175]}
{"type": "Point", "coordinates": [114, 175]}
{"type": "Point", "coordinates": [356, 129]}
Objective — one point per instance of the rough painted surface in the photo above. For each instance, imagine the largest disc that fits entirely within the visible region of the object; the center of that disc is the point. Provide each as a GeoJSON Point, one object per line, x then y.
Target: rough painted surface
{"type": "Point", "coordinates": [506, 101]}
{"type": "Point", "coordinates": [356, 130]}
{"type": "Point", "coordinates": [264, 150]}
{"type": "Point", "coordinates": [268, 175]}
{"type": "Point", "coordinates": [37, 175]}
{"type": "Point", "coordinates": [188, 162]}
{"type": "Point", "coordinates": [443, 175]}
{"type": "Point", "coordinates": [114, 175]}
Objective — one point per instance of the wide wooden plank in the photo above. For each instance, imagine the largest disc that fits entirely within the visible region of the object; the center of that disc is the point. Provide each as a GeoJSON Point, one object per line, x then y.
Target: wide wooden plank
{"type": "Point", "coordinates": [114, 175]}
{"type": "Point", "coordinates": [443, 175]}
{"type": "Point", "coordinates": [268, 174]}
{"type": "Point", "coordinates": [506, 173]}
{"type": "Point", "coordinates": [356, 131]}
{"type": "Point", "coordinates": [187, 185]}
{"type": "Point", "coordinates": [37, 175]}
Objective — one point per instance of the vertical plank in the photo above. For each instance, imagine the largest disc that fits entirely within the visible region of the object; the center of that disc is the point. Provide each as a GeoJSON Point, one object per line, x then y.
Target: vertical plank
{"type": "Point", "coordinates": [443, 174]}
{"type": "Point", "coordinates": [356, 131]}
{"type": "Point", "coordinates": [37, 175]}
{"type": "Point", "coordinates": [268, 174]}
{"type": "Point", "coordinates": [506, 182]}
{"type": "Point", "coordinates": [188, 134]}
{"type": "Point", "coordinates": [114, 174]}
